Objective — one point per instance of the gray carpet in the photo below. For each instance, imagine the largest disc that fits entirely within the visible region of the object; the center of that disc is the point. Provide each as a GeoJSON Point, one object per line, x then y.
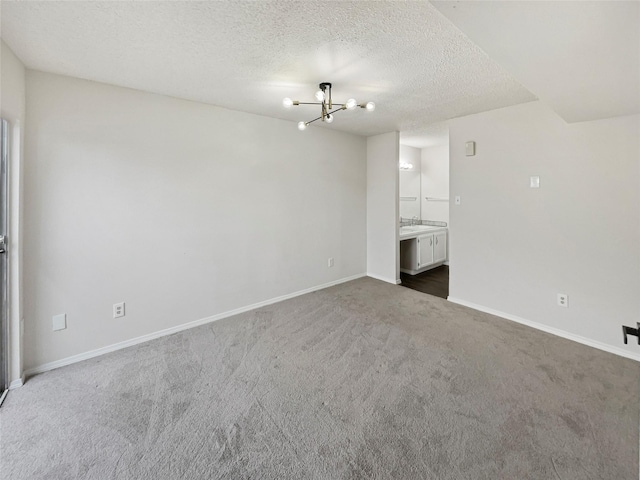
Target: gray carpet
{"type": "Point", "coordinates": [361, 380]}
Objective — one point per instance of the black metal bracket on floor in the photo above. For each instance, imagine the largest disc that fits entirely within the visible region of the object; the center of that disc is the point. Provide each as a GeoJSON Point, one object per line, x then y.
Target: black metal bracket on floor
{"type": "Point", "coordinates": [631, 331]}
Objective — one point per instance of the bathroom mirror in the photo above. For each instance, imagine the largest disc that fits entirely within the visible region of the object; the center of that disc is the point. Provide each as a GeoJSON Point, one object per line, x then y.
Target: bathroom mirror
{"type": "Point", "coordinates": [424, 182]}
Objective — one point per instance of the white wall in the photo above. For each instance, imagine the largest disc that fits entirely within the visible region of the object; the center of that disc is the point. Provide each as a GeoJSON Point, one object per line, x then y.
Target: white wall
{"type": "Point", "coordinates": [409, 182]}
{"type": "Point", "coordinates": [12, 109]}
{"type": "Point", "coordinates": [383, 256]}
{"type": "Point", "coordinates": [435, 182]}
{"type": "Point", "coordinates": [514, 248]}
{"type": "Point", "coordinates": [181, 210]}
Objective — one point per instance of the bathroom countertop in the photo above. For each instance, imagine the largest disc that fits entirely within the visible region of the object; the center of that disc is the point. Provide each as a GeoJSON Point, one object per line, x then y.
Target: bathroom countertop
{"type": "Point", "coordinates": [413, 231]}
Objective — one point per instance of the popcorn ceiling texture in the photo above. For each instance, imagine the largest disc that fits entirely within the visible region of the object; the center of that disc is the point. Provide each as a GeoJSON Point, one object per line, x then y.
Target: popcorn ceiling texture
{"type": "Point", "coordinates": [247, 56]}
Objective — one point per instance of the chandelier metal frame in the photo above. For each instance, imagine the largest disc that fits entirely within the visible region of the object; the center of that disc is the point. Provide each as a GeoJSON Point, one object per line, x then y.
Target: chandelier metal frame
{"type": "Point", "coordinates": [327, 105]}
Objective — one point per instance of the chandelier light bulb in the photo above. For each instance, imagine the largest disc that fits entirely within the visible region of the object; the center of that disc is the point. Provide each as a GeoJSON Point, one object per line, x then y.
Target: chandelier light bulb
{"type": "Point", "coordinates": [302, 126]}
{"type": "Point", "coordinates": [370, 106]}
{"type": "Point", "coordinates": [351, 104]}
{"type": "Point", "coordinates": [329, 118]}
{"type": "Point", "coordinates": [320, 96]}
{"type": "Point", "coordinates": [287, 102]}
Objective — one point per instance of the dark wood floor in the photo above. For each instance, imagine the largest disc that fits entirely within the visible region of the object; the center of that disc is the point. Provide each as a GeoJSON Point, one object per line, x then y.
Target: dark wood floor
{"type": "Point", "coordinates": [434, 281]}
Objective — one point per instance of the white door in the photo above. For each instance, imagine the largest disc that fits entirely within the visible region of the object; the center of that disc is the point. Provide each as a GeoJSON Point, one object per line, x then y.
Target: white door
{"type": "Point", "coordinates": [425, 250]}
{"type": "Point", "coordinates": [439, 247]}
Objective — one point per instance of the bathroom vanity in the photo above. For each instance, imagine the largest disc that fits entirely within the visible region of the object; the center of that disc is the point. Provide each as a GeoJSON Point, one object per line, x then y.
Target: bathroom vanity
{"type": "Point", "coordinates": [422, 247]}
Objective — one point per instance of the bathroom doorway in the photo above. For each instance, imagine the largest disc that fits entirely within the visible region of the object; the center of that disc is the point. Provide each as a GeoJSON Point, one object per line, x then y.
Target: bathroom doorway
{"type": "Point", "coordinates": [424, 210]}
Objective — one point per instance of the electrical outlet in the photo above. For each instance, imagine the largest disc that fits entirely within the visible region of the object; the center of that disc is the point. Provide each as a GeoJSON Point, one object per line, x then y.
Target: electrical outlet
{"type": "Point", "coordinates": [118, 310]}
{"type": "Point", "coordinates": [59, 322]}
{"type": "Point", "coordinates": [563, 300]}
{"type": "Point", "coordinates": [330, 262]}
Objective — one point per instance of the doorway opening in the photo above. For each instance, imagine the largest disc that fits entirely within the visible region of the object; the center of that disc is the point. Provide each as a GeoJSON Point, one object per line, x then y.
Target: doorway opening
{"type": "Point", "coordinates": [423, 183]}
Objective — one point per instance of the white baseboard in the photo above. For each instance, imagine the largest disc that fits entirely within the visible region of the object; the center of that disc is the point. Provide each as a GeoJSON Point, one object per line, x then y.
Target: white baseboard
{"type": "Point", "coordinates": [383, 279]}
{"type": "Point", "coordinates": [169, 331]}
{"type": "Point", "coordinates": [17, 383]}
{"type": "Point", "coordinates": [554, 331]}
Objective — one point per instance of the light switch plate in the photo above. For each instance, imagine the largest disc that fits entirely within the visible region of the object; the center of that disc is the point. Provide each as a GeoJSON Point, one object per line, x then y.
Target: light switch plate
{"type": "Point", "coordinates": [457, 200]}
{"type": "Point", "coordinates": [534, 182]}
{"type": "Point", "coordinates": [59, 322]}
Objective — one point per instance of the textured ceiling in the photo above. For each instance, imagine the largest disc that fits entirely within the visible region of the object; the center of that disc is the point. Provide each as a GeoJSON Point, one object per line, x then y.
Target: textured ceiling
{"type": "Point", "coordinates": [406, 57]}
{"type": "Point", "coordinates": [433, 135]}
{"type": "Point", "coordinates": [580, 58]}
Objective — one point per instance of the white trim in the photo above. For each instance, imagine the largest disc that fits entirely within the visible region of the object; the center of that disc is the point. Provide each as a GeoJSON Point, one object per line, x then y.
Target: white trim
{"type": "Point", "coordinates": [185, 326]}
{"type": "Point", "coordinates": [17, 383]}
{"type": "Point", "coordinates": [383, 279]}
{"type": "Point", "coordinates": [554, 331]}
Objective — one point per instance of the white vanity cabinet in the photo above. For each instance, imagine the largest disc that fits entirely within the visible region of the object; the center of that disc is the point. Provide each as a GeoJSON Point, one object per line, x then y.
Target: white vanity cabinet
{"type": "Point", "coordinates": [423, 252]}
{"type": "Point", "coordinates": [439, 247]}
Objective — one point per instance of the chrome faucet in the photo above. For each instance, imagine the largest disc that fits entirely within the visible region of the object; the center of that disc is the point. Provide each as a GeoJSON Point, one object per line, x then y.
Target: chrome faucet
{"type": "Point", "coordinates": [414, 220]}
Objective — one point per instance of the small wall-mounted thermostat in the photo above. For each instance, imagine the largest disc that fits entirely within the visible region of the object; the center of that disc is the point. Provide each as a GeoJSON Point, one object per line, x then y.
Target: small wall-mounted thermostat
{"type": "Point", "coordinates": [470, 148]}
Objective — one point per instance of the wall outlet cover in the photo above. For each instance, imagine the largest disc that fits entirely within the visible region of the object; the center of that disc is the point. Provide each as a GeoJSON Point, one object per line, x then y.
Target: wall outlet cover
{"type": "Point", "coordinates": [563, 300]}
{"type": "Point", "coordinates": [59, 322]}
{"type": "Point", "coordinates": [118, 310]}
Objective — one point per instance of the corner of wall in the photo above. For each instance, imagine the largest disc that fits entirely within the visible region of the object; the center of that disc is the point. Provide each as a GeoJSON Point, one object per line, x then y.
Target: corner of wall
{"type": "Point", "coordinates": [383, 257]}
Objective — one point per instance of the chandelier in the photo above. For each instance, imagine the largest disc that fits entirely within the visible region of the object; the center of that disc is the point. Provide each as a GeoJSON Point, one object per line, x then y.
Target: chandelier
{"type": "Point", "coordinates": [324, 100]}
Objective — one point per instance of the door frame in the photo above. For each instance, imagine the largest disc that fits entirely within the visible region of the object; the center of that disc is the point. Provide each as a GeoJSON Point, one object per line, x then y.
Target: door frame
{"type": "Point", "coordinates": [5, 354]}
